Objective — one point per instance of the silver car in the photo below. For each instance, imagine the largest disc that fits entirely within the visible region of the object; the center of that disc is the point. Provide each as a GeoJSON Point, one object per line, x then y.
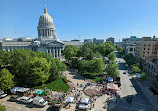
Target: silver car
{"type": "Point", "coordinates": [2, 94]}
{"type": "Point", "coordinates": [25, 99]}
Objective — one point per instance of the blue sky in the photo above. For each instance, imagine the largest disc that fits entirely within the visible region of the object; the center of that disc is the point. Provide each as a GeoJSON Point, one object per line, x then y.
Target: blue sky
{"type": "Point", "coordinates": [79, 19]}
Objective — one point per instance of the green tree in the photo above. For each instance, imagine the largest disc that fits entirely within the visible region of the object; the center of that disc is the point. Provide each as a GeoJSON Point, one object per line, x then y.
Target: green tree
{"type": "Point", "coordinates": [130, 60]}
{"type": "Point", "coordinates": [92, 66]}
{"type": "Point", "coordinates": [45, 92]}
{"type": "Point", "coordinates": [6, 79]}
{"type": "Point", "coordinates": [97, 66]}
{"type": "Point", "coordinates": [5, 58]}
{"type": "Point", "coordinates": [70, 51]}
{"type": "Point", "coordinates": [83, 66]}
{"type": "Point", "coordinates": [39, 70]}
{"type": "Point", "coordinates": [112, 69]}
{"type": "Point", "coordinates": [121, 51]}
{"type": "Point", "coordinates": [112, 56]}
{"type": "Point", "coordinates": [136, 69]}
{"type": "Point", "coordinates": [143, 76]}
{"type": "Point", "coordinates": [88, 51]}
{"type": "Point", "coordinates": [39, 54]}
{"type": "Point", "coordinates": [105, 48]}
{"type": "Point", "coordinates": [20, 65]}
{"type": "Point", "coordinates": [2, 108]}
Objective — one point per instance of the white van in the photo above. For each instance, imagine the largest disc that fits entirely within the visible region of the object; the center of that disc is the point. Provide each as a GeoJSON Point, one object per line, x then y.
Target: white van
{"type": "Point", "coordinates": [39, 101]}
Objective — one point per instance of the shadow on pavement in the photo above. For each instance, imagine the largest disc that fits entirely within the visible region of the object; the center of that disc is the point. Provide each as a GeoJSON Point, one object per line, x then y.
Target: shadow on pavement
{"type": "Point", "coordinates": [78, 77]}
{"type": "Point", "coordinates": [33, 106]}
{"type": "Point", "coordinates": [117, 55]}
{"type": "Point", "coordinates": [122, 66]}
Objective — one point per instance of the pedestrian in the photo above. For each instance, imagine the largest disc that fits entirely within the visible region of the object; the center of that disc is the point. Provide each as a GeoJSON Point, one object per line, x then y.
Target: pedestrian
{"type": "Point", "coordinates": [93, 105]}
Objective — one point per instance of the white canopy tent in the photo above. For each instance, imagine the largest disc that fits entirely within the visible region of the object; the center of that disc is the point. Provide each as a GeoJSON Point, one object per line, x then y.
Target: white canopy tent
{"type": "Point", "coordinates": [19, 89]}
{"type": "Point", "coordinates": [85, 100]}
{"type": "Point", "coordinates": [69, 99]}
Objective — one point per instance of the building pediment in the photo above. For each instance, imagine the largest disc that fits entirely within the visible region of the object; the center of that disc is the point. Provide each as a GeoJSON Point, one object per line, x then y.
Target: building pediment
{"type": "Point", "coordinates": [54, 43]}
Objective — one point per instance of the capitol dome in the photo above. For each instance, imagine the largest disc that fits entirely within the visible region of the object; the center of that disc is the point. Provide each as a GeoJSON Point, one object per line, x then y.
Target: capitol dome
{"type": "Point", "coordinates": [46, 27]}
{"type": "Point", "coordinates": [45, 17]}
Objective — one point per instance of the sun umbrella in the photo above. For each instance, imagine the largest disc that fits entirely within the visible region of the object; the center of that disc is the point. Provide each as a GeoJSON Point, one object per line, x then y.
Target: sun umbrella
{"type": "Point", "coordinates": [110, 79]}
{"type": "Point", "coordinates": [39, 92]}
{"type": "Point", "coordinates": [69, 99]}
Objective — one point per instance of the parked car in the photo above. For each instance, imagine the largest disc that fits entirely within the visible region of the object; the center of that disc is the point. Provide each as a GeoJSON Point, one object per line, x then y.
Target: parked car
{"type": "Point", "coordinates": [39, 101]}
{"type": "Point", "coordinates": [2, 94]}
{"type": "Point", "coordinates": [129, 98]}
{"type": "Point", "coordinates": [14, 98]}
{"type": "Point", "coordinates": [84, 106]}
{"type": "Point", "coordinates": [124, 72]}
{"type": "Point", "coordinates": [25, 99]}
{"type": "Point", "coordinates": [54, 107]}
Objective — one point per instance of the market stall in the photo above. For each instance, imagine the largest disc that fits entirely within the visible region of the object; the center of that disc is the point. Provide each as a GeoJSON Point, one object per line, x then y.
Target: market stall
{"type": "Point", "coordinates": [112, 86]}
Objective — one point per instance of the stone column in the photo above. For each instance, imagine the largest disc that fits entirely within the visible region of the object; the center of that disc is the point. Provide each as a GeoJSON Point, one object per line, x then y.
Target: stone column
{"type": "Point", "coordinates": [50, 51]}
{"type": "Point", "coordinates": [57, 52]}
{"type": "Point", "coordinates": [50, 32]}
{"type": "Point", "coordinates": [60, 52]}
{"type": "Point", "coordinates": [47, 50]}
{"type": "Point", "coordinates": [54, 52]}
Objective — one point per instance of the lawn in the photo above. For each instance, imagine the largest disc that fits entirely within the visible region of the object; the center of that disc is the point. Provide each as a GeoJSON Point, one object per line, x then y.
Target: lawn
{"type": "Point", "coordinates": [56, 85]}
{"type": "Point", "coordinates": [97, 79]}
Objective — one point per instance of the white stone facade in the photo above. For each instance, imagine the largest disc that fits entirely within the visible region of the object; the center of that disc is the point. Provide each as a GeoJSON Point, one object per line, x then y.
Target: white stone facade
{"type": "Point", "coordinates": [47, 40]}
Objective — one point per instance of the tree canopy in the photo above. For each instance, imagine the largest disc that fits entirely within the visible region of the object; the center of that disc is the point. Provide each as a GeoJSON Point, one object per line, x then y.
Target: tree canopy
{"type": "Point", "coordinates": [135, 69]}
{"type": "Point", "coordinates": [112, 56]}
{"type": "Point", "coordinates": [92, 66]}
{"type": "Point", "coordinates": [6, 79]}
{"type": "Point", "coordinates": [31, 68]}
{"type": "Point", "coordinates": [105, 48]}
{"type": "Point", "coordinates": [39, 70]}
{"type": "Point", "coordinates": [130, 60]}
{"type": "Point", "coordinates": [87, 51]}
{"type": "Point", "coordinates": [70, 51]}
{"type": "Point", "coordinates": [112, 69]}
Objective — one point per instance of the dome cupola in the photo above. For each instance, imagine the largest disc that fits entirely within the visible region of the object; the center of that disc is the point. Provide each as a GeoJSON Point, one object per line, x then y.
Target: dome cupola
{"type": "Point", "coordinates": [46, 27]}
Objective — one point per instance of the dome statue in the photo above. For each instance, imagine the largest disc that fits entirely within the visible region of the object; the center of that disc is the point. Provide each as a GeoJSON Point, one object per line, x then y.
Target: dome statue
{"type": "Point", "coordinates": [46, 27]}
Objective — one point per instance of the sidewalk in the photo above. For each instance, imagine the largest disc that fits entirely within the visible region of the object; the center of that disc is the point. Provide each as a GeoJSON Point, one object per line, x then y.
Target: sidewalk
{"type": "Point", "coordinates": [75, 78]}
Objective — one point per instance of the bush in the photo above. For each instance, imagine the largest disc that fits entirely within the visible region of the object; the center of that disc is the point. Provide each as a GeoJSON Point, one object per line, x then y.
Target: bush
{"type": "Point", "coordinates": [87, 75]}
{"type": "Point", "coordinates": [46, 92]}
{"type": "Point", "coordinates": [143, 76]}
{"type": "Point", "coordinates": [155, 92]}
{"type": "Point", "coordinates": [97, 79]}
{"type": "Point", "coordinates": [2, 108]}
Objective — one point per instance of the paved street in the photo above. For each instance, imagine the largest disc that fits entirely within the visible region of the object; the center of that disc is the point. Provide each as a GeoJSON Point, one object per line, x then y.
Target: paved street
{"type": "Point", "coordinates": [129, 87]}
{"type": "Point", "coordinates": [17, 106]}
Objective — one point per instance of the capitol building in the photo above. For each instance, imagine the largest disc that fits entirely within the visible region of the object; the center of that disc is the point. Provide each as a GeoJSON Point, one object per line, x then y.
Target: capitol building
{"type": "Point", "coordinates": [47, 40]}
